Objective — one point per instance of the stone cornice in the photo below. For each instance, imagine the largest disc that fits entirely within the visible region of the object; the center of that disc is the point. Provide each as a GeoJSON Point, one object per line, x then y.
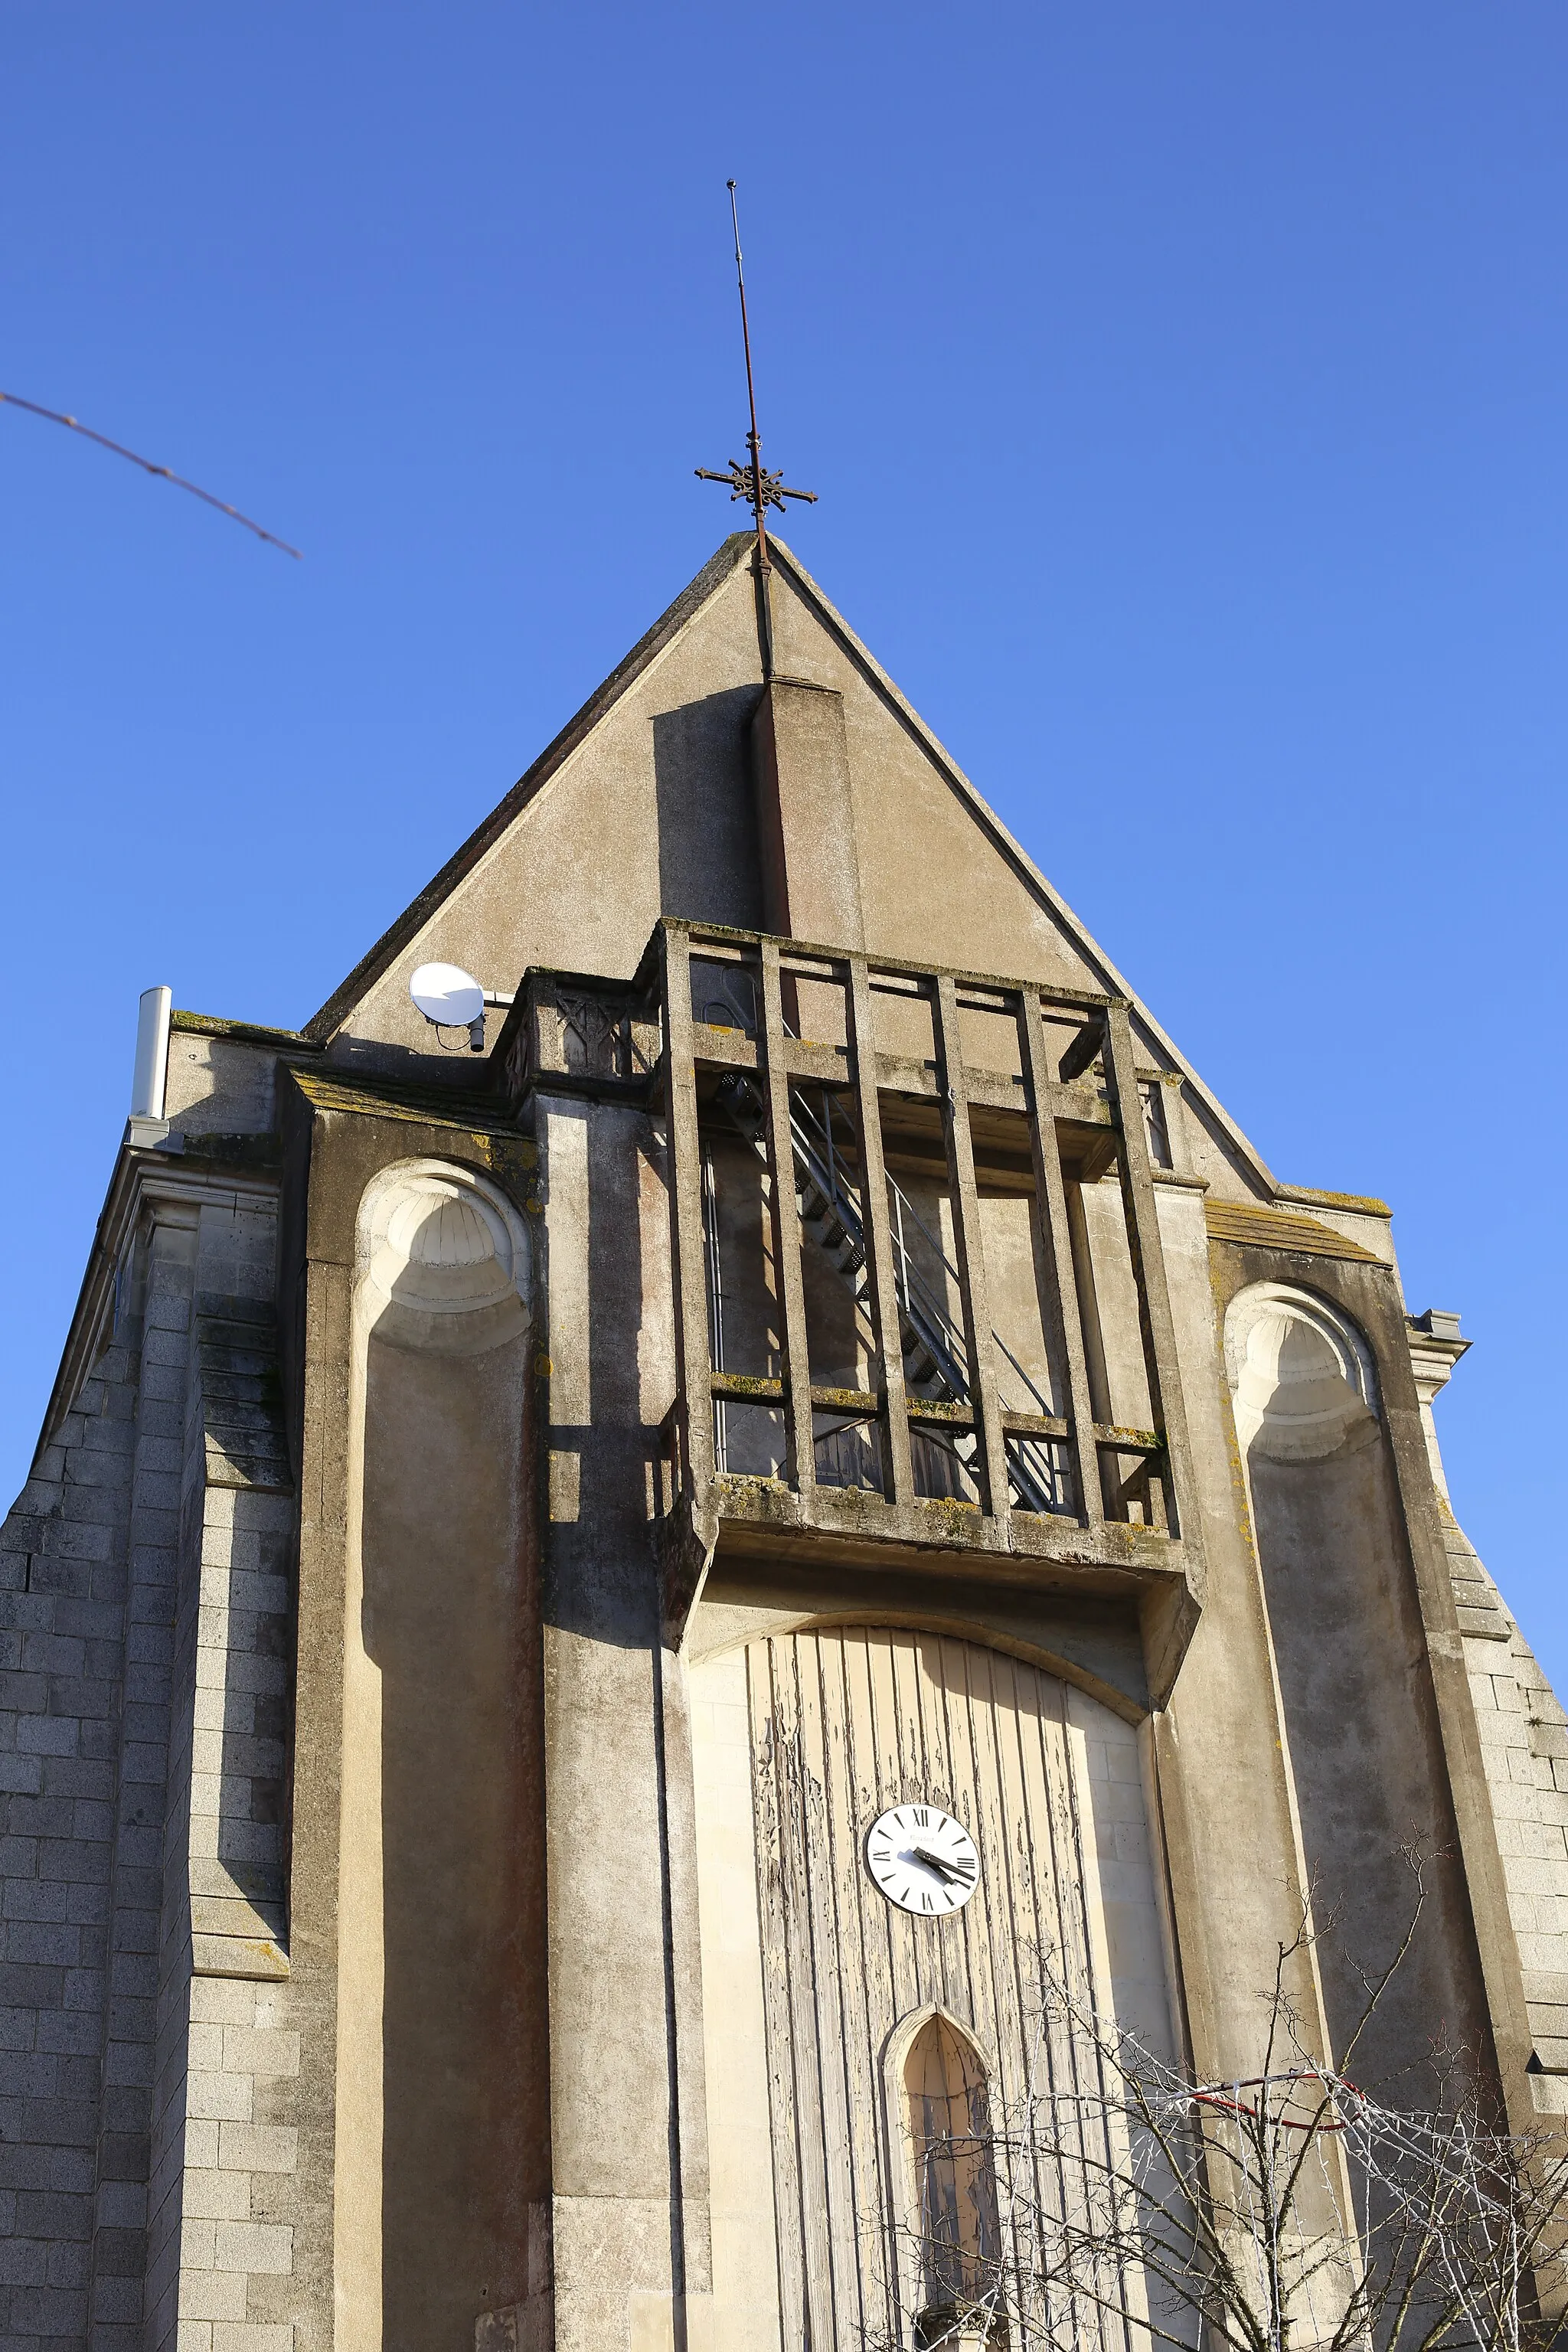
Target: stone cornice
{"type": "Point", "coordinates": [142, 1180]}
{"type": "Point", "coordinates": [1435, 1347]}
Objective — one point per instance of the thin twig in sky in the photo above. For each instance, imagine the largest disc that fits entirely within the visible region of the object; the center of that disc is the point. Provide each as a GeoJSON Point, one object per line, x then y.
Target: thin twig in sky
{"type": "Point", "coordinates": [56, 417]}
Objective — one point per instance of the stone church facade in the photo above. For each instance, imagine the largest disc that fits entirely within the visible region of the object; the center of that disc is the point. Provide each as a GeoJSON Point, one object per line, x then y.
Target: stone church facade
{"type": "Point", "coordinates": [512, 1527]}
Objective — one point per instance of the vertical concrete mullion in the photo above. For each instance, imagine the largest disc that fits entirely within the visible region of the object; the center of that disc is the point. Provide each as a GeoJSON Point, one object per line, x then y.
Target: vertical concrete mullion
{"type": "Point", "coordinates": [1052, 1220]}
{"type": "Point", "coordinates": [176, 1244]}
{"type": "Point", "coordinates": [151, 1554]}
{"type": "Point", "coordinates": [971, 1241]}
{"type": "Point", "coordinates": [690, 1284]}
{"type": "Point", "coordinates": [786, 1228]}
{"type": "Point", "coordinates": [1149, 1263]}
{"type": "Point", "coordinates": [898, 1470]}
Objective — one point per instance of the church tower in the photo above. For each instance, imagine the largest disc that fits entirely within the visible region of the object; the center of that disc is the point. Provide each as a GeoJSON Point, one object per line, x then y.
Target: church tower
{"type": "Point", "coordinates": [592, 1615]}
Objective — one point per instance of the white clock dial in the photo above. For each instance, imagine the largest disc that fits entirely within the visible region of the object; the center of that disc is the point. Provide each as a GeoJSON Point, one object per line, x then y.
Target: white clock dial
{"type": "Point", "coordinates": [922, 1860]}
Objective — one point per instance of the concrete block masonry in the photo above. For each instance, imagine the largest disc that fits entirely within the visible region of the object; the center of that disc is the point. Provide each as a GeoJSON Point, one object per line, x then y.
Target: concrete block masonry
{"type": "Point", "coordinates": [94, 1899]}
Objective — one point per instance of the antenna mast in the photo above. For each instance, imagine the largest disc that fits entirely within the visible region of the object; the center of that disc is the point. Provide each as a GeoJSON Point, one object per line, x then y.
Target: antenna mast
{"type": "Point", "coordinates": [753, 440]}
{"type": "Point", "coordinates": [751, 481]}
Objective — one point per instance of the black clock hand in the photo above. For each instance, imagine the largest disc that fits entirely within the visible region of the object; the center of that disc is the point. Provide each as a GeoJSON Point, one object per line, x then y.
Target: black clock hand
{"type": "Point", "coordinates": [934, 1862]}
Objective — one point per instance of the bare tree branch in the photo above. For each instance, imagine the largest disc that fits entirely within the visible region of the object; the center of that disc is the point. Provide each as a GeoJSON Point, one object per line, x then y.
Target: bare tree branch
{"type": "Point", "coordinates": [1289, 2209]}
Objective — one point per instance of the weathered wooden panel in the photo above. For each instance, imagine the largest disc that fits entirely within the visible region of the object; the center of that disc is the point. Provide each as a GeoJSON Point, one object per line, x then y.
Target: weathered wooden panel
{"type": "Point", "coordinates": [844, 1723]}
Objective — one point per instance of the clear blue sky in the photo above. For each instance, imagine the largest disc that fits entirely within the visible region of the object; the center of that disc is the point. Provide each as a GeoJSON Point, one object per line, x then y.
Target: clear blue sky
{"type": "Point", "coordinates": [1185, 387]}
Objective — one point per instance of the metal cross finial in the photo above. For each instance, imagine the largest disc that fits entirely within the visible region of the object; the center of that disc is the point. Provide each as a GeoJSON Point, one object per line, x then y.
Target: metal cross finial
{"type": "Point", "coordinates": [752, 481]}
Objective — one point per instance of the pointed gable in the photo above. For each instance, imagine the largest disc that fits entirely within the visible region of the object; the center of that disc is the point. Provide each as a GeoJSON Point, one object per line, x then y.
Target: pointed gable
{"type": "Point", "coordinates": [644, 806]}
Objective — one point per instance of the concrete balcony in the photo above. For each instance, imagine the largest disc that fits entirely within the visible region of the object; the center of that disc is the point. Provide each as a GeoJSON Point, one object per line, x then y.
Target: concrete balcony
{"type": "Point", "coordinates": [852, 1381]}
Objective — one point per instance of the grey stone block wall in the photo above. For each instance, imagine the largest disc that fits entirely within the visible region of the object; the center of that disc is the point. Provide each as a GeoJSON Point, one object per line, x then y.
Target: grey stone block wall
{"type": "Point", "coordinates": [90, 1575]}
{"type": "Point", "coordinates": [1524, 1745]}
{"type": "Point", "coordinates": [86, 1585]}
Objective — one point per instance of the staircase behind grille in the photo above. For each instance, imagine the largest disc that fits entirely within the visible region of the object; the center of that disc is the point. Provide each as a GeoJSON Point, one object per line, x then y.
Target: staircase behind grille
{"type": "Point", "coordinates": [935, 1356]}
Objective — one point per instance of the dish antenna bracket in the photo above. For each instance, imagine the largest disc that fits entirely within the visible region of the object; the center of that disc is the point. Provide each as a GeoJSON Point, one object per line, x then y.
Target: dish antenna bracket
{"type": "Point", "coordinates": [450, 998]}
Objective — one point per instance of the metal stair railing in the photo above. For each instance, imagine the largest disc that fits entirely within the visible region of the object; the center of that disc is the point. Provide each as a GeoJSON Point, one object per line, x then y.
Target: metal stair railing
{"type": "Point", "coordinates": [936, 1360]}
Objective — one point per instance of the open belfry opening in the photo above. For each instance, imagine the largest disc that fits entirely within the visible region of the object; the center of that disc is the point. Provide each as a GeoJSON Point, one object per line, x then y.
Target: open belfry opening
{"type": "Point", "coordinates": [649, 1568]}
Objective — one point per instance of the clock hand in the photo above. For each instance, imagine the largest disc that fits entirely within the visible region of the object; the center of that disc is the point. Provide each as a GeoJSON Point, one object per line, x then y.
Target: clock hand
{"type": "Point", "coordinates": [934, 1862]}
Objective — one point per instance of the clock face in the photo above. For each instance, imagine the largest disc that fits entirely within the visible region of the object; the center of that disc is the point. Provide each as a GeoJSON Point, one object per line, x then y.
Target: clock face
{"type": "Point", "coordinates": [922, 1860]}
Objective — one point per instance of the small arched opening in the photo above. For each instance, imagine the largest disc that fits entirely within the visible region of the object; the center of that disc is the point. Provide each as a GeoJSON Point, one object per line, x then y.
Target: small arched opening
{"type": "Point", "coordinates": [948, 2111]}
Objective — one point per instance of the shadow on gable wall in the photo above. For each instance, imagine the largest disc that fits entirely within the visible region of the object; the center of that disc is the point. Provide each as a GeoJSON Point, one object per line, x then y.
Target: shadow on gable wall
{"type": "Point", "coordinates": [708, 865]}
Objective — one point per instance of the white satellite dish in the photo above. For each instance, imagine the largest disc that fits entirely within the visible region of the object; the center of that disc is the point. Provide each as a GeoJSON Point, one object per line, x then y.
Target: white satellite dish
{"type": "Point", "coordinates": [448, 995]}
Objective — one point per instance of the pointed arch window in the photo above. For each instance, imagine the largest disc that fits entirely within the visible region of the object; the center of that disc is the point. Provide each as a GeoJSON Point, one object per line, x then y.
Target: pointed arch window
{"type": "Point", "coordinates": [948, 2114]}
